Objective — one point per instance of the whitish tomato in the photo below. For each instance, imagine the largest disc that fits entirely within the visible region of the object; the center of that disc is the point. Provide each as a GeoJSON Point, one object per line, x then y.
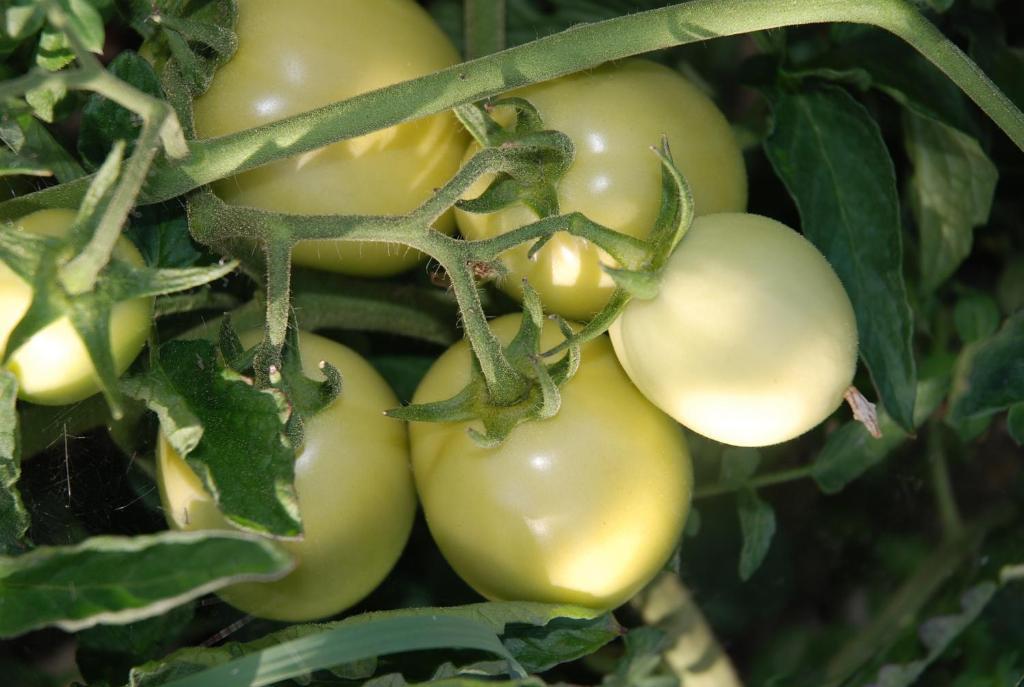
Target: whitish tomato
{"type": "Point", "coordinates": [751, 340]}
{"type": "Point", "coordinates": [299, 55]}
{"type": "Point", "coordinates": [355, 491]}
{"type": "Point", "coordinates": [614, 115]}
{"type": "Point", "coordinates": [54, 367]}
{"type": "Point", "coordinates": [583, 508]}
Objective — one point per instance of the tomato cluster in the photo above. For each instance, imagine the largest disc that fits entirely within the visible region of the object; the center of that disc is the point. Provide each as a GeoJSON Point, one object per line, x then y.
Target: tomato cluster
{"type": "Point", "coordinates": [750, 340]}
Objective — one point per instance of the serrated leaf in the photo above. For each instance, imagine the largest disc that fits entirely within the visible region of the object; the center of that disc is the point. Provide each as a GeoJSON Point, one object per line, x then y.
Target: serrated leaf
{"type": "Point", "coordinates": [160, 232]}
{"type": "Point", "coordinates": [757, 524]}
{"type": "Point", "coordinates": [951, 192]}
{"type": "Point", "coordinates": [230, 433]}
{"type": "Point", "coordinates": [124, 579]}
{"type": "Point", "coordinates": [13, 516]}
{"type": "Point", "coordinates": [851, 450]}
{"type": "Point", "coordinates": [104, 121]}
{"type": "Point", "coordinates": [739, 464]}
{"type": "Point", "coordinates": [293, 652]}
{"type": "Point", "coordinates": [44, 99]}
{"type": "Point", "coordinates": [990, 373]}
{"type": "Point", "coordinates": [829, 153]}
{"type": "Point", "coordinates": [936, 634]}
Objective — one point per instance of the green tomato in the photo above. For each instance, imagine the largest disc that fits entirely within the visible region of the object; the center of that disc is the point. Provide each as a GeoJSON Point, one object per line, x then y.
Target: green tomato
{"type": "Point", "coordinates": [355, 494]}
{"type": "Point", "coordinates": [303, 54]}
{"type": "Point", "coordinates": [53, 367]}
{"type": "Point", "coordinates": [614, 115]}
{"type": "Point", "coordinates": [583, 508]}
{"type": "Point", "coordinates": [751, 339]}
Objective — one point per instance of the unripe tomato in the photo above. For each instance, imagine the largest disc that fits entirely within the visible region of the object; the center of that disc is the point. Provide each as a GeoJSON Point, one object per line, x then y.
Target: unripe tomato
{"type": "Point", "coordinates": [299, 55]}
{"type": "Point", "coordinates": [614, 115]}
{"type": "Point", "coordinates": [54, 367]}
{"type": "Point", "coordinates": [355, 492]}
{"type": "Point", "coordinates": [751, 339]}
{"type": "Point", "coordinates": [583, 508]}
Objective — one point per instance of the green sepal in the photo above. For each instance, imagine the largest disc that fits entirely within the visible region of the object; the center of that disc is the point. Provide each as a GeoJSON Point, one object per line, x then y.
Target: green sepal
{"type": "Point", "coordinates": [642, 284]}
{"type": "Point", "coordinates": [676, 212]}
{"type": "Point", "coordinates": [308, 397]}
{"type": "Point", "coordinates": [231, 348]}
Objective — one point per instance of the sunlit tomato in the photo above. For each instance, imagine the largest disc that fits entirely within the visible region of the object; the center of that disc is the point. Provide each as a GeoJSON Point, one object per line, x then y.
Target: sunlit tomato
{"type": "Point", "coordinates": [583, 508]}
{"type": "Point", "coordinates": [355, 492]}
{"type": "Point", "coordinates": [299, 55]}
{"type": "Point", "coordinates": [53, 367]}
{"type": "Point", "coordinates": [614, 115]}
{"type": "Point", "coordinates": [751, 340]}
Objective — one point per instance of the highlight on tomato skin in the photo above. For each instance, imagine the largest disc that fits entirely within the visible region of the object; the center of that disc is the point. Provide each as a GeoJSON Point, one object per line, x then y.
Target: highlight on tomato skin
{"type": "Point", "coordinates": [751, 340]}
{"type": "Point", "coordinates": [299, 55]}
{"type": "Point", "coordinates": [614, 115]}
{"type": "Point", "coordinates": [583, 508]}
{"type": "Point", "coordinates": [53, 367]}
{"type": "Point", "coordinates": [355, 491]}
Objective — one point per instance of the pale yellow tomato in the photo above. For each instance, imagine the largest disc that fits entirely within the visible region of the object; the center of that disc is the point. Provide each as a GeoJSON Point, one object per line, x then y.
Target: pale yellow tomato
{"type": "Point", "coordinates": [54, 367]}
{"type": "Point", "coordinates": [299, 55]}
{"type": "Point", "coordinates": [583, 508]}
{"type": "Point", "coordinates": [355, 492]}
{"type": "Point", "coordinates": [751, 339]}
{"type": "Point", "coordinates": [614, 115]}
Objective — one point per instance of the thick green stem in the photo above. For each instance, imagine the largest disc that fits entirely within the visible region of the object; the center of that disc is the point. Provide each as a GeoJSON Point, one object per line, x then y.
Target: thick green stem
{"type": "Point", "coordinates": [484, 27]}
{"type": "Point", "coordinates": [582, 47]}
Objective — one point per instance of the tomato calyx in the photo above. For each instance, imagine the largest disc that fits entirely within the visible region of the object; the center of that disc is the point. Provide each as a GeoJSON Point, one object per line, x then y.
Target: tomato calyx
{"type": "Point", "coordinates": [532, 179]}
{"type": "Point", "coordinates": [538, 398]}
{"type": "Point", "coordinates": [306, 397]}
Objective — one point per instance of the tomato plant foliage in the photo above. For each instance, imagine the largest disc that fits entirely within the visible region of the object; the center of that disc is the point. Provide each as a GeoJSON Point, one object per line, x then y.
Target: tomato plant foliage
{"type": "Point", "coordinates": [278, 169]}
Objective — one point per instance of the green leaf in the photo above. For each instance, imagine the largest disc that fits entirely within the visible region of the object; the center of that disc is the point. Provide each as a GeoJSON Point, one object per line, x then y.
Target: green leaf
{"type": "Point", "coordinates": [104, 121]}
{"type": "Point", "coordinates": [976, 316]}
{"type": "Point", "coordinates": [27, 137]}
{"type": "Point", "coordinates": [13, 516]}
{"type": "Point", "coordinates": [1015, 423]}
{"type": "Point", "coordinates": [830, 154]}
{"type": "Point", "coordinates": [990, 373]}
{"type": "Point", "coordinates": [109, 652]}
{"type": "Point", "coordinates": [12, 164]}
{"type": "Point", "coordinates": [950, 192]}
{"type": "Point", "coordinates": [124, 579]}
{"type": "Point", "coordinates": [851, 450]}
{"type": "Point", "coordinates": [642, 664]}
{"type": "Point", "coordinates": [160, 232]}
{"type": "Point", "coordinates": [757, 523]}
{"type": "Point", "coordinates": [936, 635]}
{"type": "Point", "coordinates": [738, 465]}
{"type": "Point", "coordinates": [219, 422]}
{"type": "Point", "coordinates": [45, 98]}
{"type": "Point", "coordinates": [299, 650]}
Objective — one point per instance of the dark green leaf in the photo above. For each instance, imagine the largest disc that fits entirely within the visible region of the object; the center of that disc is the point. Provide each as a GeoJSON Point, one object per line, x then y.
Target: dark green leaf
{"type": "Point", "coordinates": [124, 579]}
{"type": "Point", "coordinates": [109, 652]}
{"type": "Point", "coordinates": [160, 232]}
{"type": "Point", "coordinates": [104, 121]}
{"type": "Point", "coordinates": [829, 153]}
{"type": "Point", "coordinates": [642, 664]}
{"type": "Point", "coordinates": [976, 316]}
{"type": "Point", "coordinates": [541, 647]}
{"type": "Point", "coordinates": [27, 137]}
{"type": "Point", "coordinates": [936, 634]}
{"type": "Point", "coordinates": [219, 422]}
{"type": "Point", "coordinates": [1015, 422]}
{"type": "Point", "coordinates": [757, 523]}
{"type": "Point", "coordinates": [851, 450]}
{"type": "Point", "coordinates": [473, 626]}
{"type": "Point", "coordinates": [990, 373]}
{"type": "Point", "coordinates": [13, 516]}
{"type": "Point", "coordinates": [739, 465]}
{"type": "Point", "coordinates": [951, 192]}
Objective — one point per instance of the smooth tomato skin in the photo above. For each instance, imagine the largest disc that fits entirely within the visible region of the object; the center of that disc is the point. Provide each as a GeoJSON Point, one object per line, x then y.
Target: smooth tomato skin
{"type": "Point", "coordinates": [299, 55]}
{"type": "Point", "coordinates": [355, 491]}
{"type": "Point", "coordinates": [751, 340]}
{"type": "Point", "coordinates": [614, 115]}
{"type": "Point", "coordinates": [583, 508]}
{"type": "Point", "coordinates": [54, 367]}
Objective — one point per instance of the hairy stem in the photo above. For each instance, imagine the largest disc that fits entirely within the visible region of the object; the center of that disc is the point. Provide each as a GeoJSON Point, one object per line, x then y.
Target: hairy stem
{"type": "Point", "coordinates": [582, 47]}
{"type": "Point", "coordinates": [484, 27]}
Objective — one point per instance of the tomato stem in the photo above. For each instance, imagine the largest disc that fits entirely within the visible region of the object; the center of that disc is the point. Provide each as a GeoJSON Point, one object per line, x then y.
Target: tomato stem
{"type": "Point", "coordinates": [485, 27]}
